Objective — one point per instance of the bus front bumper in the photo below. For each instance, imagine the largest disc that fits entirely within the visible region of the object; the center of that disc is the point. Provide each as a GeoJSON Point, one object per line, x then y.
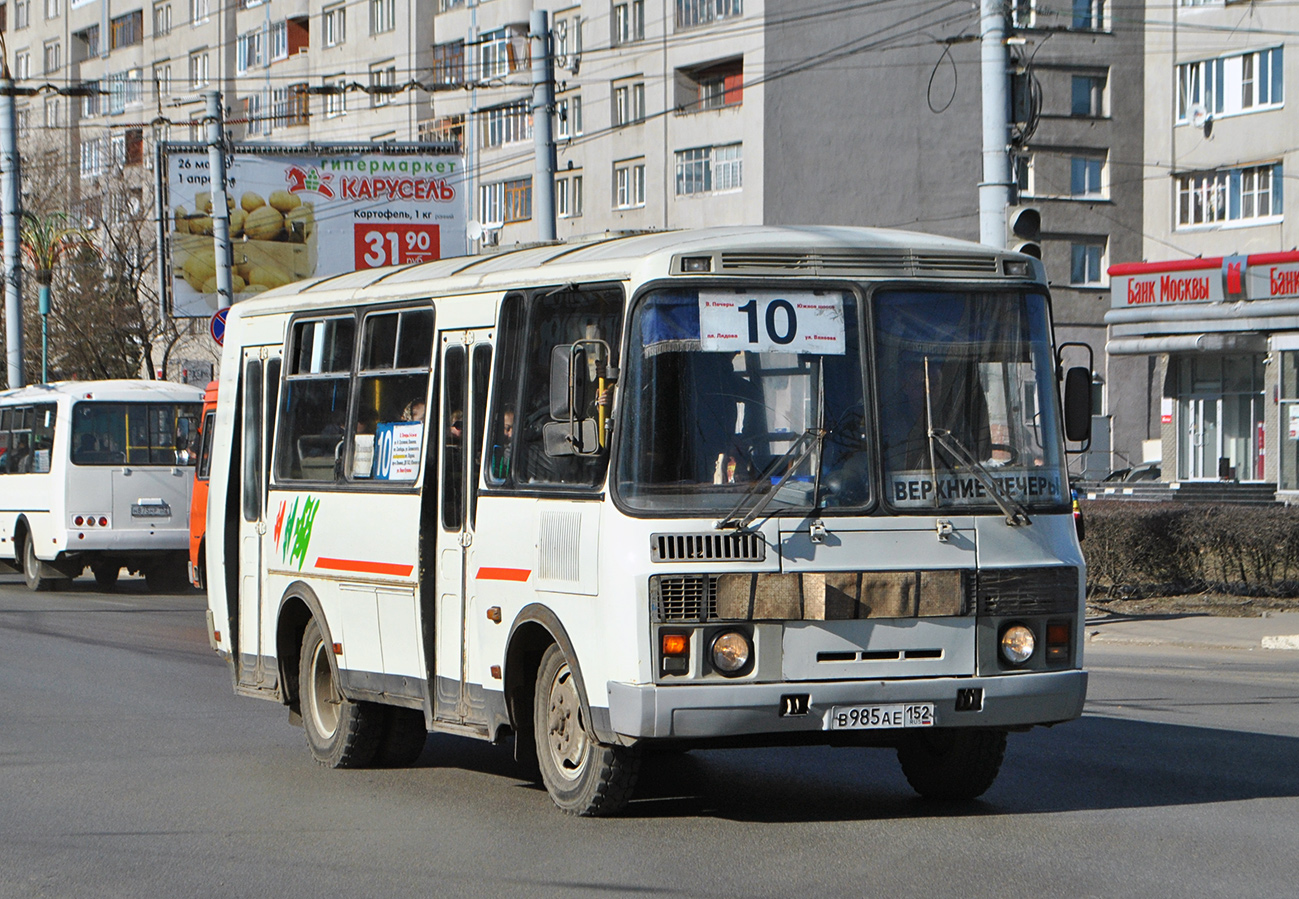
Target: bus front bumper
{"type": "Point", "coordinates": [694, 711]}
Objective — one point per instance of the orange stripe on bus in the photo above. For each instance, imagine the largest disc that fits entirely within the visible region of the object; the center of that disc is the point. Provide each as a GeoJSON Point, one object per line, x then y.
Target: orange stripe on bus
{"type": "Point", "coordinates": [363, 567]}
{"type": "Point", "coordinates": [504, 574]}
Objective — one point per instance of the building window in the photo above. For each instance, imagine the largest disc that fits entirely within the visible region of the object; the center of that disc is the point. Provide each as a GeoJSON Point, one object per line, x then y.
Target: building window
{"type": "Point", "coordinates": [506, 202]}
{"type": "Point", "coordinates": [446, 129]}
{"type": "Point", "coordinates": [628, 104]}
{"type": "Point", "coordinates": [449, 63]}
{"type": "Point", "coordinates": [1086, 268]}
{"type": "Point", "coordinates": [383, 16]}
{"type": "Point", "coordinates": [199, 11]}
{"type": "Point", "coordinates": [383, 82]}
{"type": "Point", "coordinates": [279, 41]}
{"type": "Point", "coordinates": [90, 106]}
{"type": "Point", "coordinates": [568, 116]}
{"type": "Point", "coordinates": [506, 124]}
{"type": "Point", "coordinates": [162, 79]}
{"type": "Point", "coordinates": [504, 51]}
{"type": "Point", "coordinates": [248, 50]}
{"type": "Point", "coordinates": [1262, 78]}
{"type": "Point", "coordinates": [85, 43]}
{"type": "Point", "coordinates": [1089, 15]}
{"type": "Point", "coordinates": [628, 22]}
{"type": "Point", "coordinates": [289, 106]}
{"type": "Point", "coordinates": [53, 112]}
{"type": "Point", "coordinates": [53, 8]}
{"type": "Point", "coordinates": [127, 30]}
{"type": "Point", "coordinates": [693, 13]}
{"type": "Point", "coordinates": [334, 25]}
{"type": "Point", "coordinates": [1085, 176]}
{"type": "Point", "coordinates": [22, 14]}
{"type": "Point", "coordinates": [1088, 96]}
{"type": "Point", "coordinates": [198, 69]}
{"type": "Point", "coordinates": [92, 159]}
{"type": "Point", "coordinates": [714, 86]}
{"type": "Point", "coordinates": [22, 65]}
{"type": "Point", "coordinates": [53, 57]}
{"type": "Point", "coordinates": [629, 183]}
{"type": "Point", "coordinates": [125, 89]}
{"type": "Point", "coordinates": [161, 19]}
{"type": "Point", "coordinates": [255, 122]}
{"type": "Point", "coordinates": [704, 170]}
{"type": "Point", "coordinates": [1250, 195]}
{"type": "Point", "coordinates": [336, 103]}
{"type": "Point", "coordinates": [568, 196]}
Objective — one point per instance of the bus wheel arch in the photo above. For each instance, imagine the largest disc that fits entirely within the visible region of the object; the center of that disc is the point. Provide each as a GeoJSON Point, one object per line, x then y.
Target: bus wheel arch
{"type": "Point", "coordinates": [298, 607]}
{"type": "Point", "coordinates": [534, 629]}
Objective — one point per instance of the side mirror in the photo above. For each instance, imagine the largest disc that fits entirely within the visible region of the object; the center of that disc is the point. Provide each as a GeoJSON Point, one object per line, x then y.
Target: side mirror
{"type": "Point", "coordinates": [1078, 404]}
{"type": "Point", "coordinates": [567, 381]}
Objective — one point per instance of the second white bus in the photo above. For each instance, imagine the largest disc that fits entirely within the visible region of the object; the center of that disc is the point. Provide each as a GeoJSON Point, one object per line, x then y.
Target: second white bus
{"type": "Point", "coordinates": [97, 474]}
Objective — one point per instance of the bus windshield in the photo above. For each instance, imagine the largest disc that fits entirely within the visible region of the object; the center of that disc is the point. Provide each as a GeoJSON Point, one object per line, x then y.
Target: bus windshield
{"type": "Point", "coordinates": [744, 397]}
{"type": "Point", "coordinates": [967, 409]}
{"type": "Point", "coordinates": [760, 407]}
{"type": "Point", "coordinates": [134, 433]}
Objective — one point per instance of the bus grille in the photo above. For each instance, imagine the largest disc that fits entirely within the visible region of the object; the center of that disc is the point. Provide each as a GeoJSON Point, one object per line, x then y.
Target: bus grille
{"type": "Point", "coordinates": [828, 262]}
{"type": "Point", "coordinates": [707, 548]}
{"type": "Point", "coordinates": [683, 597]}
{"type": "Point", "coordinates": [1028, 591]}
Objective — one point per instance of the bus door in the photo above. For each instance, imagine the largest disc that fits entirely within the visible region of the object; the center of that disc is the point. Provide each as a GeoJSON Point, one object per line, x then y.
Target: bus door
{"type": "Point", "coordinates": [259, 383]}
{"type": "Point", "coordinates": [466, 360]}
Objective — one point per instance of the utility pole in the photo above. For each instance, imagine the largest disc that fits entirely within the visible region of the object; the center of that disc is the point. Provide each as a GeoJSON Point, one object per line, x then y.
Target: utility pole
{"type": "Point", "coordinates": [543, 102]}
{"type": "Point", "coordinates": [994, 189]}
{"type": "Point", "coordinates": [216, 164]}
{"type": "Point", "coordinates": [11, 210]}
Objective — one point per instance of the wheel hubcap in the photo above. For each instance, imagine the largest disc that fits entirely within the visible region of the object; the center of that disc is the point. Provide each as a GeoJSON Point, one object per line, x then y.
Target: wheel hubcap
{"type": "Point", "coordinates": [566, 735]}
{"type": "Point", "coordinates": [322, 696]}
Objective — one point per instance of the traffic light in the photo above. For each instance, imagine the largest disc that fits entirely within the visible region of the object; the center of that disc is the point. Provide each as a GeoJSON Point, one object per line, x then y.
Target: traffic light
{"type": "Point", "coordinates": [1024, 230]}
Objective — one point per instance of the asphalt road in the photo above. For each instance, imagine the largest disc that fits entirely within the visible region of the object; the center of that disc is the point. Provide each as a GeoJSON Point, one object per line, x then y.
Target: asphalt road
{"type": "Point", "coordinates": [129, 768]}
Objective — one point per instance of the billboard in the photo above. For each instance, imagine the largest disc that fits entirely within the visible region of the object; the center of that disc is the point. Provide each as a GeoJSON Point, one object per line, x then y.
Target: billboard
{"type": "Point", "coordinates": [304, 212]}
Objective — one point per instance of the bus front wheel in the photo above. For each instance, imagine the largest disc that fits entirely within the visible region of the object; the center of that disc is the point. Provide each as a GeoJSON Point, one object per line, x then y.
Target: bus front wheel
{"type": "Point", "coordinates": [340, 733]}
{"type": "Point", "coordinates": [582, 775]}
{"type": "Point", "coordinates": [952, 763]}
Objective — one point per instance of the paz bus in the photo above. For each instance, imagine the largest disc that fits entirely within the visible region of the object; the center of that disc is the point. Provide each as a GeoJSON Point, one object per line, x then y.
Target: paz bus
{"type": "Point", "coordinates": [97, 474]}
{"type": "Point", "coordinates": [732, 486]}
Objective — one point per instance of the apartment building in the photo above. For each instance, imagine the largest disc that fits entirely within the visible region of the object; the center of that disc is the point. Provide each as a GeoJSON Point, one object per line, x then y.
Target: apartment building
{"type": "Point", "coordinates": [668, 113]}
{"type": "Point", "coordinates": [1212, 302]}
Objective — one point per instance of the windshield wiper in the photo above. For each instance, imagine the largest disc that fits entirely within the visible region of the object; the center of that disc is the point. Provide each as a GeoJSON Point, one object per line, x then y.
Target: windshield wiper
{"type": "Point", "coordinates": [1015, 513]}
{"type": "Point", "coordinates": [807, 442]}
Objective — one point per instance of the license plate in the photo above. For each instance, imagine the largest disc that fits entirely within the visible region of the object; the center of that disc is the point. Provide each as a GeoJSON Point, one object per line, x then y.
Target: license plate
{"type": "Point", "coordinates": [139, 511]}
{"type": "Point", "coordinates": [873, 717]}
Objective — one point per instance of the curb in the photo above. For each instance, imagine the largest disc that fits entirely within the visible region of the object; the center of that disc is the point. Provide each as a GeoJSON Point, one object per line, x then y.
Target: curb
{"type": "Point", "coordinates": [1287, 641]}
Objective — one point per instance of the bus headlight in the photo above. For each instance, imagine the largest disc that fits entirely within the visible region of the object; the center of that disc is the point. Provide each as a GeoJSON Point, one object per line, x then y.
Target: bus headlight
{"type": "Point", "coordinates": [731, 653]}
{"type": "Point", "coordinates": [1017, 644]}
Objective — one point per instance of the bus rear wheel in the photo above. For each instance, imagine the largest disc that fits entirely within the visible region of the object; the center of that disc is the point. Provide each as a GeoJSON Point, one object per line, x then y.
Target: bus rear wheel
{"type": "Point", "coordinates": [952, 763]}
{"type": "Point", "coordinates": [340, 733]}
{"type": "Point", "coordinates": [583, 776]}
{"type": "Point", "coordinates": [32, 568]}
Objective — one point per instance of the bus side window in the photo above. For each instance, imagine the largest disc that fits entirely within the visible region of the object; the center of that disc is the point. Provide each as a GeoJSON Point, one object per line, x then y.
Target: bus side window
{"type": "Point", "coordinates": [556, 318]}
{"type": "Point", "coordinates": [392, 395]}
{"type": "Point", "coordinates": [453, 446]}
{"type": "Point", "coordinates": [6, 422]}
{"type": "Point", "coordinates": [317, 383]}
{"type": "Point", "coordinates": [505, 392]}
{"type": "Point", "coordinates": [43, 437]}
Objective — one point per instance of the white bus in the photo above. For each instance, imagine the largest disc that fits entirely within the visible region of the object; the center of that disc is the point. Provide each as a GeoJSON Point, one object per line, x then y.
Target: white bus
{"type": "Point", "coordinates": [97, 474]}
{"type": "Point", "coordinates": [684, 489]}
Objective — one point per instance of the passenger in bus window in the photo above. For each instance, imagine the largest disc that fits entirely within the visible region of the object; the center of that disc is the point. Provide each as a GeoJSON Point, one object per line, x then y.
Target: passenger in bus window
{"type": "Point", "coordinates": [500, 459]}
{"type": "Point", "coordinates": [414, 410]}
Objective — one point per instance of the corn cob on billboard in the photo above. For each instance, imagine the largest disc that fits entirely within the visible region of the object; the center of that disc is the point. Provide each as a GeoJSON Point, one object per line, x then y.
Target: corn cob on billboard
{"type": "Point", "coordinates": [304, 212]}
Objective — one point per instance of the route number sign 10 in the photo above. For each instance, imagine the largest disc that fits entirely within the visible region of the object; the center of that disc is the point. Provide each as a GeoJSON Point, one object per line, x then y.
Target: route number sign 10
{"type": "Point", "coordinates": [384, 243]}
{"type": "Point", "coordinates": [771, 322]}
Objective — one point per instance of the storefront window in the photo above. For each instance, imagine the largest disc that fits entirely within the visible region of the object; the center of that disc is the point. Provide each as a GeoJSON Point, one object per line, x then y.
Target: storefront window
{"type": "Point", "coordinates": [1289, 421]}
{"type": "Point", "coordinates": [1220, 417]}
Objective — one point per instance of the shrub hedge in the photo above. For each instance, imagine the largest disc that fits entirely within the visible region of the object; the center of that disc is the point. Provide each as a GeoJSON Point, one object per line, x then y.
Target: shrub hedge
{"type": "Point", "coordinates": [1164, 549]}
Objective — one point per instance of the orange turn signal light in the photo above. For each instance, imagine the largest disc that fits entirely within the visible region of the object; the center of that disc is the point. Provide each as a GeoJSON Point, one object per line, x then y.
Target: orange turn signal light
{"type": "Point", "coordinates": [676, 644]}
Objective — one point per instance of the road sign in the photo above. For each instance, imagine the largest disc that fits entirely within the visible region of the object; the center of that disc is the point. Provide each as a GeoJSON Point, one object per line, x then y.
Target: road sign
{"type": "Point", "coordinates": [217, 327]}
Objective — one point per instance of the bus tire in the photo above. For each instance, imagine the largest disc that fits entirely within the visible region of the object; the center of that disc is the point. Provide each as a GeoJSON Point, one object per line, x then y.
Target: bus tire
{"type": "Point", "coordinates": [340, 733]}
{"type": "Point", "coordinates": [105, 575]}
{"type": "Point", "coordinates": [32, 568]}
{"type": "Point", "coordinates": [403, 738]}
{"type": "Point", "coordinates": [952, 763]}
{"type": "Point", "coordinates": [583, 776]}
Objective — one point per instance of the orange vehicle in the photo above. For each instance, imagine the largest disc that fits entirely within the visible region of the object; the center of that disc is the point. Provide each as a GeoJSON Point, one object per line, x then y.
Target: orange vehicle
{"type": "Point", "coordinates": [198, 496]}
